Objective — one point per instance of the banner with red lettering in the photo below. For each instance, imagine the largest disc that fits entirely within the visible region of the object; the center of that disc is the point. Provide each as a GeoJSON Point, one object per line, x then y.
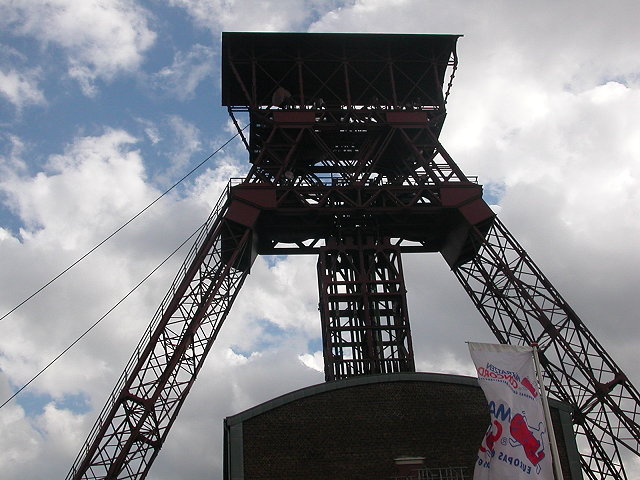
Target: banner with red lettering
{"type": "Point", "coordinates": [516, 444]}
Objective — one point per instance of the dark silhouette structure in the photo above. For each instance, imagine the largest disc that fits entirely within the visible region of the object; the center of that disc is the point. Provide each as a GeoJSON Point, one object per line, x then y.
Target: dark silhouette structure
{"type": "Point", "coordinates": [347, 165]}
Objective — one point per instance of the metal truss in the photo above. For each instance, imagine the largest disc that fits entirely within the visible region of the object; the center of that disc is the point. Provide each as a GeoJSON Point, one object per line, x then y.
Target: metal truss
{"type": "Point", "coordinates": [145, 402]}
{"type": "Point", "coordinates": [376, 70]}
{"type": "Point", "coordinates": [522, 307]}
{"type": "Point", "coordinates": [363, 309]}
{"type": "Point", "coordinates": [382, 146]}
{"type": "Point", "coordinates": [358, 179]}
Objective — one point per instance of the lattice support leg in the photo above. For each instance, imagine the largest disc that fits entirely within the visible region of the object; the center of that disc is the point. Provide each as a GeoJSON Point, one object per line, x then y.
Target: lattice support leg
{"type": "Point", "coordinates": [136, 420]}
{"type": "Point", "coordinates": [521, 307]}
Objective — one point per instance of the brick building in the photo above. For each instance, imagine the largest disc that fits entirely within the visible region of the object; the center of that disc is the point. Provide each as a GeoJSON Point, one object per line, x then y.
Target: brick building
{"type": "Point", "coordinates": [371, 427]}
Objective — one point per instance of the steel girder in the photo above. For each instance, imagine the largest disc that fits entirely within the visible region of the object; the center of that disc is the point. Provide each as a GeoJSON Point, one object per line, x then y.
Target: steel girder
{"type": "Point", "coordinates": [363, 308]}
{"type": "Point", "coordinates": [517, 301]}
{"type": "Point", "coordinates": [522, 307]}
{"type": "Point", "coordinates": [145, 402]}
{"type": "Point", "coordinates": [357, 146]}
{"type": "Point", "coordinates": [341, 69]}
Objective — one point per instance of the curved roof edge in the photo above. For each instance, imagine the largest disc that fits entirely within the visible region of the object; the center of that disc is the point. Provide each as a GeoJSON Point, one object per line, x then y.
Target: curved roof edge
{"type": "Point", "coordinates": [358, 381]}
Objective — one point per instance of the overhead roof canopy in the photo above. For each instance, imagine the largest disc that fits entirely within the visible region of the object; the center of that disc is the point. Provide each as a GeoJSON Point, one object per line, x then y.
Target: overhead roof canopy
{"type": "Point", "coordinates": [340, 68]}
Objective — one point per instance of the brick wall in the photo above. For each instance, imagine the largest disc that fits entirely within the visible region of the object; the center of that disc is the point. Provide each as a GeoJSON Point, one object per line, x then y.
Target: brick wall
{"type": "Point", "coordinates": [356, 432]}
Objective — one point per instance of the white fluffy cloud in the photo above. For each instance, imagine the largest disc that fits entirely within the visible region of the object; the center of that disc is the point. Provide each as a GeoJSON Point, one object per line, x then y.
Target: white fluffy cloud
{"type": "Point", "coordinates": [187, 72]}
{"type": "Point", "coordinates": [261, 15]}
{"type": "Point", "coordinates": [54, 203]}
{"type": "Point", "coordinates": [185, 142]}
{"type": "Point", "coordinates": [100, 38]}
{"type": "Point", "coordinates": [85, 194]}
{"type": "Point", "coordinates": [21, 88]}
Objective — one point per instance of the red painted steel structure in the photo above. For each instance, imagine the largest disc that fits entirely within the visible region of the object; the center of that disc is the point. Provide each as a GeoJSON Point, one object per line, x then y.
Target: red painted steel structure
{"type": "Point", "coordinates": [346, 163]}
{"type": "Point", "coordinates": [363, 307]}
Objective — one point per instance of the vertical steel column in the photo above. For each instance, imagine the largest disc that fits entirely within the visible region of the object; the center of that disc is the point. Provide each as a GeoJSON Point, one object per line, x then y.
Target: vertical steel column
{"type": "Point", "coordinates": [365, 324]}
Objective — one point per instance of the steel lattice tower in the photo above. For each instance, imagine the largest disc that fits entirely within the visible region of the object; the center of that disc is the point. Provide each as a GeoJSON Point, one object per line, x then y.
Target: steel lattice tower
{"type": "Point", "coordinates": [346, 164]}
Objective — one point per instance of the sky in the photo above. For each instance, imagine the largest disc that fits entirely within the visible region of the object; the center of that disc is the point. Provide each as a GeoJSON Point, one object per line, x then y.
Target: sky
{"type": "Point", "coordinates": [105, 104]}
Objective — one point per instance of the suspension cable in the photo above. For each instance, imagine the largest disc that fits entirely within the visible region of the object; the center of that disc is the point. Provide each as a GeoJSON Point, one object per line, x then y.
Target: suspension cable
{"type": "Point", "coordinates": [95, 324]}
{"type": "Point", "coordinates": [120, 228]}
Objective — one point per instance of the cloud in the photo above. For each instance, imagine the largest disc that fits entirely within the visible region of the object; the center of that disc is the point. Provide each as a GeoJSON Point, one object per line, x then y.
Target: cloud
{"type": "Point", "coordinates": [568, 45]}
{"type": "Point", "coordinates": [26, 441]}
{"type": "Point", "coordinates": [92, 168]}
{"type": "Point", "coordinates": [262, 15]}
{"type": "Point", "coordinates": [100, 39]}
{"type": "Point", "coordinates": [175, 141]}
{"type": "Point", "coordinates": [88, 191]}
{"type": "Point", "coordinates": [21, 88]}
{"type": "Point", "coordinates": [186, 73]}
{"type": "Point", "coordinates": [150, 129]}
{"type": "Point", "coordinates": [314, 360]}
{"type": "Point", "coordinates": [12, 161]}
{"type": "Point", "coordinates": [185, 142]}
{"type": "Point", "coordinates": [67, 210]}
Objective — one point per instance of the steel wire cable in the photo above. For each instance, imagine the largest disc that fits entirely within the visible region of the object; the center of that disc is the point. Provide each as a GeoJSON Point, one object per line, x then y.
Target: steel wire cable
{"type": "Point", "coordinates": [95, 324]}
{"type": "Point", "coordinates": [89, 252]}
{"type": "Point", "coordinates": [154, 270]}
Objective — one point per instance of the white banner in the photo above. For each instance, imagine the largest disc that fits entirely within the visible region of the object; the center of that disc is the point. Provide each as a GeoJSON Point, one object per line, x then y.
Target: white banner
{"type": "Point", "coordinates": [516, 444]}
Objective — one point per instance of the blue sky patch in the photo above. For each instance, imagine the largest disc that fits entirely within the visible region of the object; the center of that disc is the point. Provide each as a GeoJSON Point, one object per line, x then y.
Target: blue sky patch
{"type": "Point", "coordinates": [34, 403]}
{"type": "Point", "coordinates": [314, 345]}
{"type": "Point", "coordinates": [493, 192]}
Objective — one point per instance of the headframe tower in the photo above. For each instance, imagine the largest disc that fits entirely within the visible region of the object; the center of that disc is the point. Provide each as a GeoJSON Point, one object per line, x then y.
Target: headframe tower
{"type": "Point", "coordinates": [346, 164]}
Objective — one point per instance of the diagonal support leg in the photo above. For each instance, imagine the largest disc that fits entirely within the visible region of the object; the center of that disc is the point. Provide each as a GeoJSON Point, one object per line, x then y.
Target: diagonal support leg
{"type": "Point", "coordinates": [134, 424]}
{"type": "Point", "coordinates": [521, 307]}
